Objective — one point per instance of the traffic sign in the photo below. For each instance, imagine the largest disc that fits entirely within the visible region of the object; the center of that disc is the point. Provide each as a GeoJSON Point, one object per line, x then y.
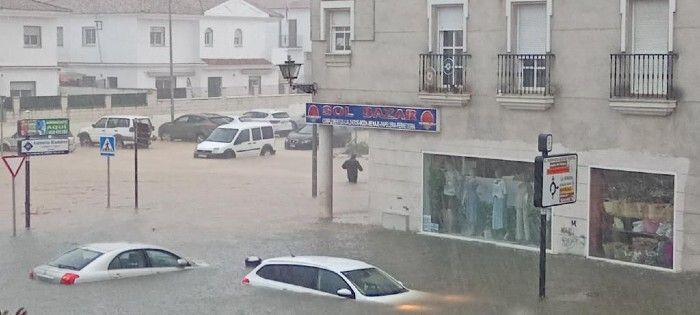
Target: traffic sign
{"type": "Point", "coordinates": [13, 164]}
{"type": "Point", "coordinates": [31, 147]}
{"type": "Point", "coordinates": [108, 145]}
{"type": "Point", "coordinates": [555, 180]}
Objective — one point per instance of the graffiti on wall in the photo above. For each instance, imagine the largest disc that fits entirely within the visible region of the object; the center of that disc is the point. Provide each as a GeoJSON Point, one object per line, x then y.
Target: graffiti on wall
{"type": "Point", "coordinates": [571, 238]}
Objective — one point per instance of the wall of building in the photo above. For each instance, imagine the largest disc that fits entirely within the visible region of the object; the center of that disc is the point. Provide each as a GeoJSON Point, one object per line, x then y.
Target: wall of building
{"type": "Point", "coordinates": [46, 80]}
{"type": "Point", "coordinates": [257, 38]}
{"type": "Point", "coordinates": [12, 36]}
{"type": "Point", "coordinates": [584, 34]}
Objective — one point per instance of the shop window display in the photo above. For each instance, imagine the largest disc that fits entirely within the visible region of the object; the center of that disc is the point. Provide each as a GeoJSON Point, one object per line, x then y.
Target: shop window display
{"type": "Point", "coordinates": [631, 217]}
{"type": "Point", "coordinates": [480, 198]}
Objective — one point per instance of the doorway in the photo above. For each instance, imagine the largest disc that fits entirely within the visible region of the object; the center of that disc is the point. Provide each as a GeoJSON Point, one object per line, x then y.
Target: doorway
{"type": "Point", "coordinates": [214, 87]}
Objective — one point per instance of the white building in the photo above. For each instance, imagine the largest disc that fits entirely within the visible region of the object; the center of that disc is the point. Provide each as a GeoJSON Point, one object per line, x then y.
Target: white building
{"type": "Point", "coordinates": [28, 62]}
{"type": "Point", "coordinates": [220, 48]}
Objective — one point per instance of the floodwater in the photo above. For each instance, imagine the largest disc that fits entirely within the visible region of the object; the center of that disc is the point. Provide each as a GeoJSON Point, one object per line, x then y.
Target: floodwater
{"type": "Point", "coordinates": [221, 211]}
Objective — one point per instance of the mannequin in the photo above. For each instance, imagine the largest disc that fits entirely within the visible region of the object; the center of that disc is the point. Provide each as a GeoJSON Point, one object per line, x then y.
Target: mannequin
{"type": "Point", "coordinates": [436, 184]}
{"type": "Point", "coordinates": [450, 196]}
{"type": "Point", "coordinates": [523, 205]}
{"type": "Point", "coordinates": [470, 202]}
{"type": "Point", "coordinates": [498, 210]}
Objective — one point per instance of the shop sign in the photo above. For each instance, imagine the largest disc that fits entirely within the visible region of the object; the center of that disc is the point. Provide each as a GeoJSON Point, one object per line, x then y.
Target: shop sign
{"type": "Point", "coordinates": [555, 180]}
{"type": "Point", "coordinates": [374, 116]}
{"type": "Point", "coordinates": [43, 127]}
{"type": "Point", "coordinates": [30, 147]}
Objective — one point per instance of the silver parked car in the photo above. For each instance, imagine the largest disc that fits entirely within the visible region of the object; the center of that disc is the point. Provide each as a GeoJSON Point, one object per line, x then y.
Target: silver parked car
{"type": "Point", "coordinates": [105, 261]}
{"type": "Point", "coordinates": [9, 144]}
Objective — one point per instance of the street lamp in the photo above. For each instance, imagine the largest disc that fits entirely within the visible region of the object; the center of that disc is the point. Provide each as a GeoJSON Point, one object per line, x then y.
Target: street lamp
{"type": "Point", "coordinates": [290, 71]}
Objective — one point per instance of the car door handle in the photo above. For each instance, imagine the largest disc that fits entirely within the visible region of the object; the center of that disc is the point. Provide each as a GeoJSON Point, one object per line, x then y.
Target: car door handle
{"type": "Point", "coordinates": [116, 275]}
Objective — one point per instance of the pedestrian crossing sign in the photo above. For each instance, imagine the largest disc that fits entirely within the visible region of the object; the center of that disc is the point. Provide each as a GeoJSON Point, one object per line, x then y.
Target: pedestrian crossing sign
{"type": "Point", "coordinates": [108, 145]}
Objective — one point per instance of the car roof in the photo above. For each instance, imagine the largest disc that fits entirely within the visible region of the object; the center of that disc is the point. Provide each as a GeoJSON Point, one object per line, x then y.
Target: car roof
{"type": "Point", "coordinates": [335, 264]}
{"type": "Point", "coordinates": [245, 124]}
{"type": "Point", "coordinates": [269, 111]}
{"type": "Point", "coordinates": [117, 246]}
{"type": "Point", "coordinates": [126, 116]}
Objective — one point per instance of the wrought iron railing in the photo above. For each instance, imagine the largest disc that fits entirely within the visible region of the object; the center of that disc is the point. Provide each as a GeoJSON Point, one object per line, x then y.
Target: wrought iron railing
{"type": "Point", "coordinates": [641, 76]}
{"type": "Point", "coordinates": [443, 73]}
{"type": "Point", "coordinates": [525, 74]}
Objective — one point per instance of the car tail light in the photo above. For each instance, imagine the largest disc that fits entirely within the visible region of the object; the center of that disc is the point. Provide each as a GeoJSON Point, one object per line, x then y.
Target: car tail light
{"type": "Point", "coordinates": [69, 278]}
{"type": "Point", "coordinates": [31, 275]}
{"type": "Point", "coordinates": [245, 280]}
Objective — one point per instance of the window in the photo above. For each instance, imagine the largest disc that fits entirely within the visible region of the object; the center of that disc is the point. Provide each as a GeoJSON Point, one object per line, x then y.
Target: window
{"type": "Point", "coordinates": [22, 88]}
{"type": "Point", "coordinates": [89, 36]}
{"type": "Point", "coordinates": [157, 36]}
{"type": "Point", "coordinates": [256, 115]}
{"type": "Point", "coordinates": [374, 282]}
{"type": "Point", "coordinates": [196, 119]}
{"type": "Point", "coordinates": [535, 16]}
{"type": "Point", "coordinates": [647, 26]}
{"type": "Point", "coordinates": [113, 82]}
{"type": "Point", "coordinates": [292, 33]}
{"type": "Point", "coordinates": [133, 259]}
{"type": "Point", "coordinates": [182, 119]}
{"type": "Point", "coordinates": [59, 36]}
{"type": "Point", "coordinates": [89, 81]}
{"type": "Point", "coordinates": [340, 31]}
{"type": "Point", "coordinates": [531, 44]}
{"type": "Point", "coordinates": [163, 83]}
{"type": "Point", "coordinates": [254, 85]}
{"type": "Point", "coordinates": [238, 38]}
{"type": "Point", "coordinates": [330, 282]}
{"type": "Point", "coordinates": [118, 123]}
{"type": "Point", "coordinates": [243, 136]}
{"type": "Point", "coordinates": [162, 259]}
{"type": "Point", "coordinates": [100, 123]}
{"type": "Point", "coordinates": [280, 115]}
{"type": "Point", "coordinates": [75, 259]}
{"type": "Point", "coordinates": [268, 133]}
{"type": "Point", "coordinates": [32, 36]}
{"type": "Point", "coordinates": [209, 38]}
{"type": "Point", "coordinates": [257, 134]}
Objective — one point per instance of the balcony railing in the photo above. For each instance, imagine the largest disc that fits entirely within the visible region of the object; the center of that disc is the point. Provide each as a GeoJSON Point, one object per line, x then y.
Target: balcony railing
{"type": "Point", "coordinates": [524, 74]}
{"type": "Point", "coordinates": [641, 76]}
{"type": "Point", "coordinates": [443, 73]}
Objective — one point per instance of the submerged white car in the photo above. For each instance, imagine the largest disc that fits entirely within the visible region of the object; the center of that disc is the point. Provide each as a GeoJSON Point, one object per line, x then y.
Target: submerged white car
{"type": "Point", "coordinates": [105, 261]}
{"type": "Point", "coordinates": [332, 277]}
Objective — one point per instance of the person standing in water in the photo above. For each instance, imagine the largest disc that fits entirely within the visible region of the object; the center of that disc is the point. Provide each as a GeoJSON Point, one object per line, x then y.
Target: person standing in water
{"type": "Point", "coordinates": [352, 166]}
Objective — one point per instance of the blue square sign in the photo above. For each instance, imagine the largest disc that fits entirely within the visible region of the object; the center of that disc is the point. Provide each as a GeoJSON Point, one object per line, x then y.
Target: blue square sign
{"type": "Point", "coordinates": [108, 145]}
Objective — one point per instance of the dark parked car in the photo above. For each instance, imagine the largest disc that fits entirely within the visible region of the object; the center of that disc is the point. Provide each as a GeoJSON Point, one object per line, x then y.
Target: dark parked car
{"type": "Point", "coordinates": [301, 139]}
{"type": "Point", "coordinates": [193, 127]}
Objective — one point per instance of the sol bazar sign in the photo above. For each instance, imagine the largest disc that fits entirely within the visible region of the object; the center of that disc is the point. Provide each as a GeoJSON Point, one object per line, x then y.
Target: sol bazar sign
{"type": "Point", "coordinates": [374, 116]}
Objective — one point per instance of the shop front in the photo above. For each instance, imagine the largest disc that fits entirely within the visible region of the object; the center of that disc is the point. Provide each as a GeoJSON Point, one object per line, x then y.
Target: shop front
{"type": "Point", "coordinates": [631, 217]}
{"type": "Point", "coordinates": [480, 199]}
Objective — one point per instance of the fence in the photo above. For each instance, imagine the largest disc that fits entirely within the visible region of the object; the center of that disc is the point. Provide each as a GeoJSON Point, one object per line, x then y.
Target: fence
{"type": "Point", "coordinates": [165, 93]}
{"type": "Point", "coordinates": [443, 73]}
{"type": "Point", "coordinates": [86, 101]}
{"type": "Point", "coordinates": [129, 100]}
{"type": "Point", "coordinates": [40, 103]}
{"type": "Point", "coordinates": [641, 76]}
{"type": "Point", "coordinates": [525, 74]}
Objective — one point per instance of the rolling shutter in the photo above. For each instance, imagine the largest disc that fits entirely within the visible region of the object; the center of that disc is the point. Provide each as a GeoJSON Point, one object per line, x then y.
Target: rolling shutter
{"type": "Point", "coordinates": [532, 28]}
{"type": "Point", "coordinates": [650, 26]}
{"type": "Point", "coordinates": [450, 18]}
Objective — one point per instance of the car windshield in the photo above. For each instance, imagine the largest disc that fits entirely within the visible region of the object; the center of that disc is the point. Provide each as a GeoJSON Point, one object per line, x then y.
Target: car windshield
{"type": "Point", "coordinates": [221, 120]}
{"type": "Point", "coordinates": [307, 130]}
{"type": "Point", "coordinates": [75, 259]}
{"type": "Point", "coordinates": [224, 135]}
{"type": "Point", "coordinates": [374, 282]}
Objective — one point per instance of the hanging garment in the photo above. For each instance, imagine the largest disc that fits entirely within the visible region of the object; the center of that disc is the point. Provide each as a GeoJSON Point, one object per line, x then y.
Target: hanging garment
{"type": "Point", "coordinates": [451, 184]}
{"type": "Point", "coordinates": [470, 200]}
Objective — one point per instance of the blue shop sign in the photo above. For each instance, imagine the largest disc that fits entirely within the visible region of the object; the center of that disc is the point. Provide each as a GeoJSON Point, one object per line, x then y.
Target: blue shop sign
{"type": "Point", "coordinates": [374, 116]}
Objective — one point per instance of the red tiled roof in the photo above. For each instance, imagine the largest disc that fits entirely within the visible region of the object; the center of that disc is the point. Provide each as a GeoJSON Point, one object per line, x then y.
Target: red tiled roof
{"type": "Point", "coordinates": [237, 62]}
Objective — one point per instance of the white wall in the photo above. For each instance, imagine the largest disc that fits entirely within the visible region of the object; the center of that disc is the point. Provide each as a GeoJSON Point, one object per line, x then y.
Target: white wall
{"type": "Point", "coordinates": [256, 38]}
{"type": "Point", "coordinates": [116, 42]}
{"type": "Point", "coordinates": [185, 34]}
{"type": "Point", "coordinates": [13, 52]}
{"type": "Point", "coordinates": [46, 80]}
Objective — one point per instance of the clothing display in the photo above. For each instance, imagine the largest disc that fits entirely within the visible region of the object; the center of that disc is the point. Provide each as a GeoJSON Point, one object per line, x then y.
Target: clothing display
{"type": "Point", "coordinates": [470, 202]}
{"type": "Point", "coordinates": [498, 220]}
{"type": "Point", "coordinates": [523, 209]}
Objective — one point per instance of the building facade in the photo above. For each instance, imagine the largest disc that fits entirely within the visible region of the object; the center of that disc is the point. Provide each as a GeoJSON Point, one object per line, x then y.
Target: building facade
{"type": "Point", "coordinates": [611, 80]}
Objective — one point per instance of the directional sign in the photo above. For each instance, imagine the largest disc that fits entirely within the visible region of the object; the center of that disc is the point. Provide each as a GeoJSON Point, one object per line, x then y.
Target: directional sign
{"type": "Point", "coordinates": [13, 164]}
{"type": "Point", "coordinates": [108, 145]}
{"type": "Point", "coordinates": [43, 127]}
{"type": "Point", "coordinates": [31, 147]}
{"type": "Point", "coordinates": [555, 180]}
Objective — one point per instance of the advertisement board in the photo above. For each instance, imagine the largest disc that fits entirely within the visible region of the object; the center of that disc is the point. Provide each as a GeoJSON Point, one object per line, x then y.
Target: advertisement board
{"type": "Point", "coordinates": [43, 127]}
{"type": "Point", "coordinates": [374, 116]}
{"type": "Point", "coordinates": [32, 147]}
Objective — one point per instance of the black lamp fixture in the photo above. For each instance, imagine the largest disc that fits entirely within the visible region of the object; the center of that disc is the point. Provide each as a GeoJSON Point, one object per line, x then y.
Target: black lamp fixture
{"type": "Point", "coordinates": [290, 71]}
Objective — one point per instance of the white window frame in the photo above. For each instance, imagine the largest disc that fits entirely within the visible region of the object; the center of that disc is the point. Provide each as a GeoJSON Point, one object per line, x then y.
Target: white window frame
{"type": "Point", "coordinates": [157, 29]}
{"type": "Point", "coordinates": [327, 6]}
{"type": "Point", "coordinates": [510, 19]}
{"type": "Point", "coordinates": [84, 32]}
{"type": "Point", "coordinates": [336, 30]}
{"type": "Point", "coordinates": [38, 36]}
{"type": "Point", "coordinates": [432, 7]}
{"type": "Point", "coordinates": [238, 37]}
{"type": "Point", "coordinates": [208, 37]}
{"type": "Point", "coordinates": [626, 23]}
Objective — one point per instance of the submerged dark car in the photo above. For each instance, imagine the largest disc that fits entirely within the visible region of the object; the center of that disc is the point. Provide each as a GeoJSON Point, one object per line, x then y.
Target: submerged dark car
{"type": "Point", "coordinates": [192, 127]}
{"type": "Point", "coordinates": [302, 138]}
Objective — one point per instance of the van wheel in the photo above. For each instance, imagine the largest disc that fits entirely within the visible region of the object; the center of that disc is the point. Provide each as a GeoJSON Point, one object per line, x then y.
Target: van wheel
{"type": "Point", "coordinates": [229, 154]}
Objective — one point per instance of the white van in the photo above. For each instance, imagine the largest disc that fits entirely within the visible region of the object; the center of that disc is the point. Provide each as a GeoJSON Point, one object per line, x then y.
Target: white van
{"type": "Point", "coordinates": [238, 139]}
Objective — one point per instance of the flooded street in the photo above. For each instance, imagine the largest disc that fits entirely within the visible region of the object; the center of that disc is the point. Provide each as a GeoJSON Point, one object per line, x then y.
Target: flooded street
{"type": "Point", "coordinates": [221, 211]}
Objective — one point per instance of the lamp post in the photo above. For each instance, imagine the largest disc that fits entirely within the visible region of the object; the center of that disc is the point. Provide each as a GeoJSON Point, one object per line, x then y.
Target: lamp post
{"type": "Point", "coordinates": [290, 71]}
{"type": "Point", "coordinates": [172, 79]}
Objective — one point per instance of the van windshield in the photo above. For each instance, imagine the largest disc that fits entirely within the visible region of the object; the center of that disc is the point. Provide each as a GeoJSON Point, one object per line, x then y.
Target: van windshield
{"type": "Point", "coordinates": [224, 135]}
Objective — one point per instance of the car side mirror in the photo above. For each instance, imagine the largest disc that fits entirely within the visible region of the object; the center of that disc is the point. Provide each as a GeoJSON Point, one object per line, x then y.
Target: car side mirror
{"type": "Point", "coordinates": [182, 263]}
{"type": "Point", "coordinates": [344, 293]}
{"type": "Point", "coordinates": [94, 125]}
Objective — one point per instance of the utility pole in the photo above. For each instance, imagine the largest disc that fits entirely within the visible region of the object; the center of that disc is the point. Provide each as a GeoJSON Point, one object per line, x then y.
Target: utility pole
{"type": "Point", "coordinates": [172, 79]}
{"type": "Point", "coordinates": [314, 162]}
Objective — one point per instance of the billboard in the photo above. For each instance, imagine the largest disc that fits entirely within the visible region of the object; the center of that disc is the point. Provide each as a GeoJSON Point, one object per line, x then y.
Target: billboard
{"type": "Point", "coordinates": [374, 116]}
{"type": "Point", "coordinates": [43, 127]}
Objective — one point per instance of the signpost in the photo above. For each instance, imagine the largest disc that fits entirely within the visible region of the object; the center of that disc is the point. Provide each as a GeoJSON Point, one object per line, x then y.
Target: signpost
{"type": "Point", "coordinates": [13, 164]}
{"type": "Point", "coordinates": [32, 147]}
{"type": "Point", "coordinates": [108, 148]}
{"type": "Point", "coordinates": [555, 185]}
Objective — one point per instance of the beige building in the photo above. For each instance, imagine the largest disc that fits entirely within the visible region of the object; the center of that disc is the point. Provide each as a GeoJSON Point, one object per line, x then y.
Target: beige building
{"type": "Point", "coordinates": [613, 81]}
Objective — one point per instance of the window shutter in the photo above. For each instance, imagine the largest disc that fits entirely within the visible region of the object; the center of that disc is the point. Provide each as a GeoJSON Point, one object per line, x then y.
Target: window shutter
{"type": "Point", "coordinates": [340, 18]}
{"type": "Point", "coordinates": [532, 29]}
{"type": "Point", "coordinates": [650, 28]}
{"type": "Point", "coordinates": [450, 18]}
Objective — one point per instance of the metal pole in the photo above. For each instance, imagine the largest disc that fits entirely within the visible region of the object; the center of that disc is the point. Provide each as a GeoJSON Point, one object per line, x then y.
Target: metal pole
{"type": "Point", "coordinates": [543, 245]}
{"type": "Point", "coordinates": [109, 192]}
{"type": "Point", "coordinates": [136, 164]}
{"type": "Point", "coordinates": [27, 196]}
{"type": "Point", "coordinates": [2, 125]}
{"type": "Point", "coordinates": [172, 79]}
{"type": "Point", "coordinates": [314, 162]}
{"type": "Point", "coordinates": [14, 209]}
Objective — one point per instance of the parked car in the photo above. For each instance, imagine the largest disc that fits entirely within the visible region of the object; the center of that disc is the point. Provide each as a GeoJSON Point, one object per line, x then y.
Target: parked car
{"type": "Point", "coordinates": [121, 127]}
{"type": "Point", "coordinates": [332, 277]}
{"type": "Point", "coordinates": [280, 120]}
{"type": "Point", "coordinates": [9, 144]}
{"type": "Point", "coordinates": [194, 127]}
{"type": "Point", "coordinates": [238, 139]}
{"type": "Point", "coordinates": [106, 261]}
{"type": "Point", "coordinates": [302, 138]}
